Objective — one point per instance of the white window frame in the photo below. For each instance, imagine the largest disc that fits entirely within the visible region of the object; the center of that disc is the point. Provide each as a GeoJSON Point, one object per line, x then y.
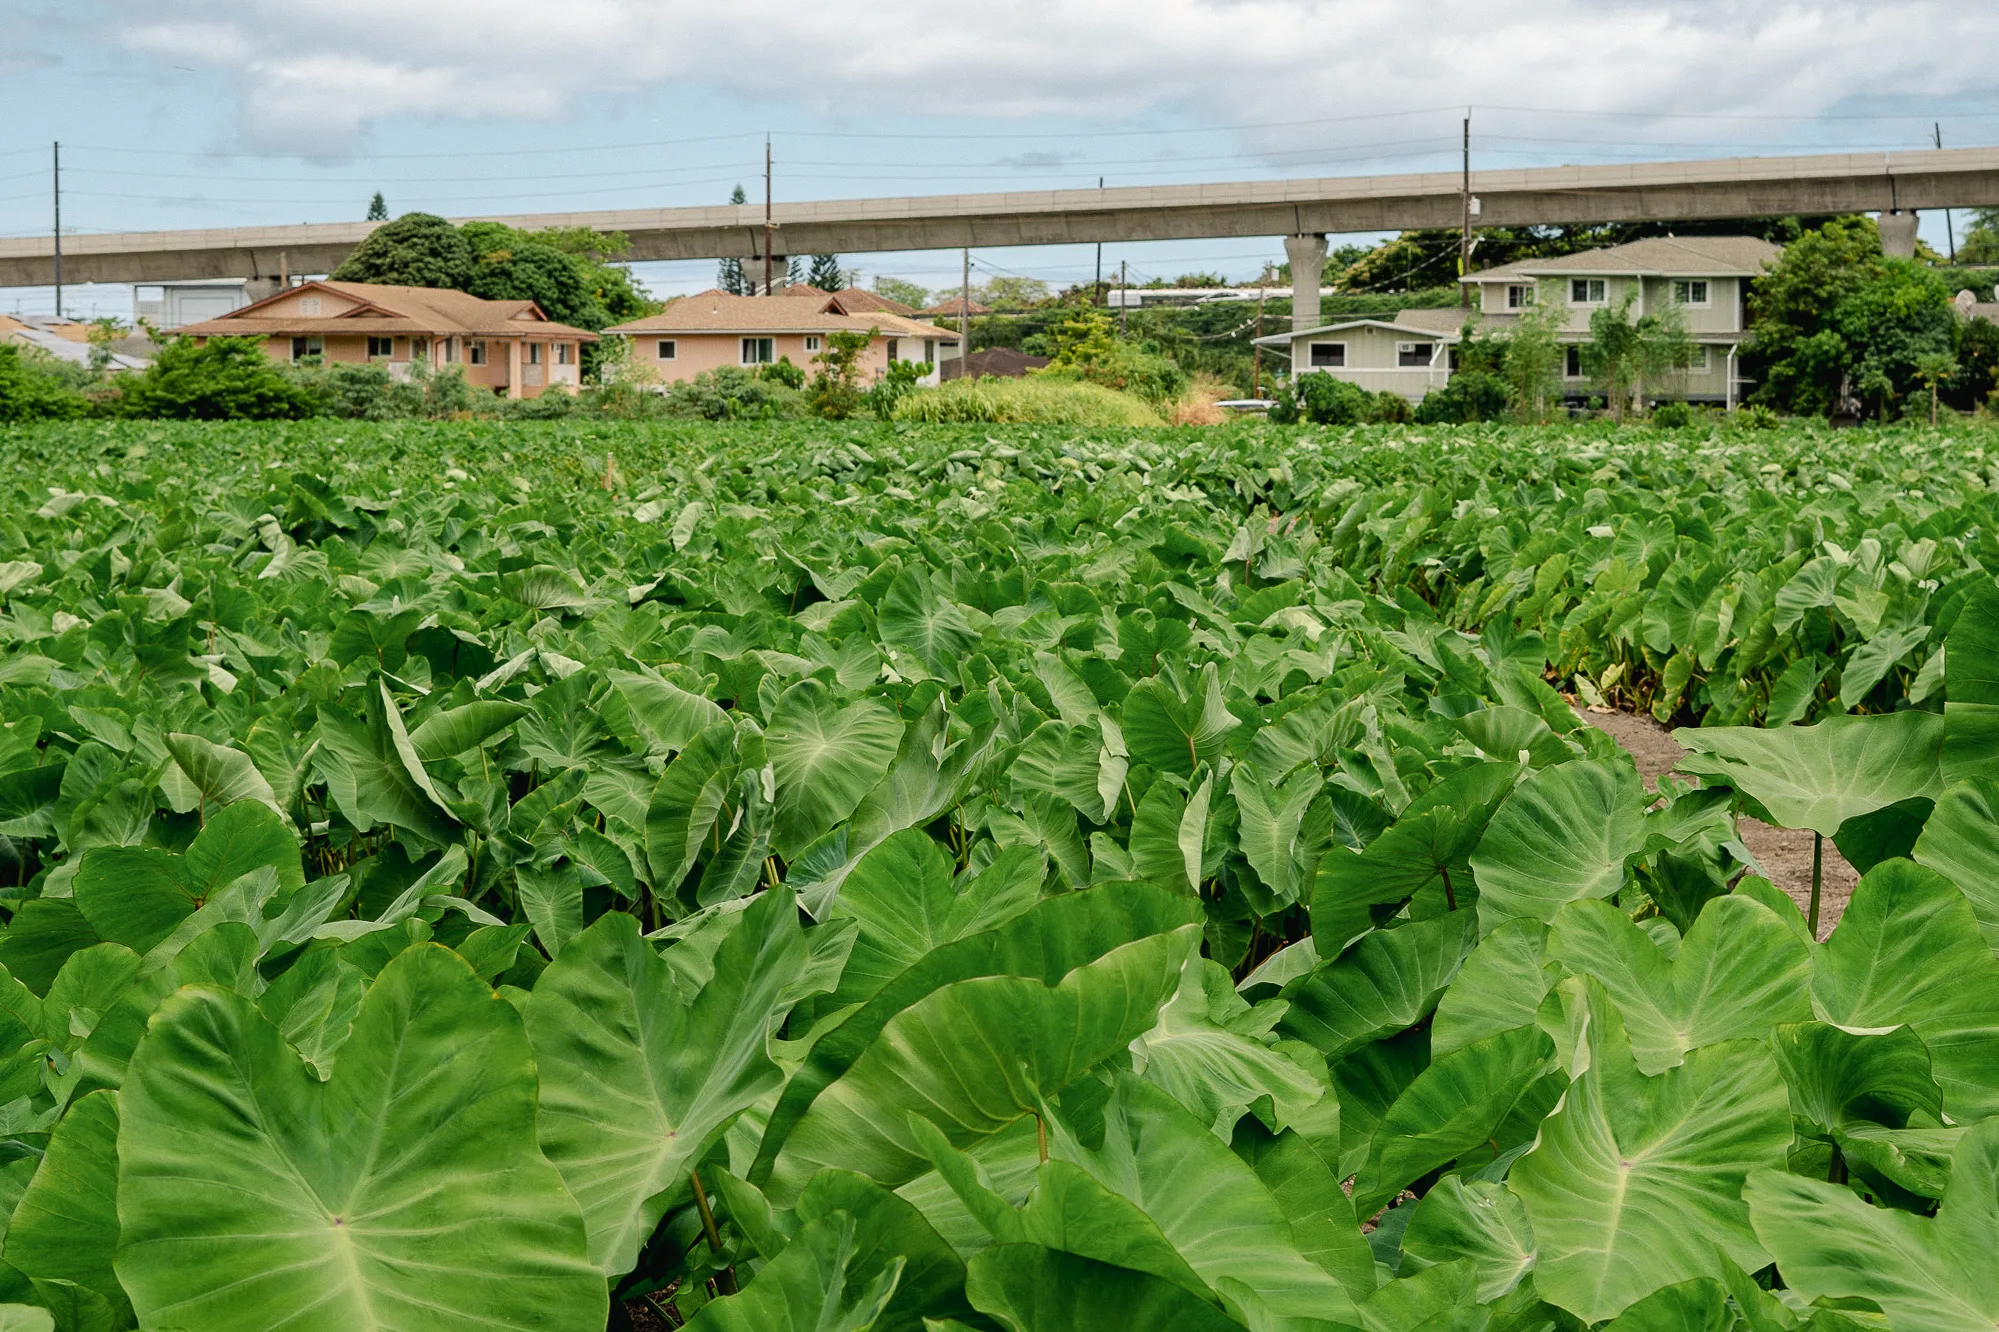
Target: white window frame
{"type": "Point", "coordinates": [894, 347]}
{"type": "Point", "coordinates": [1687, 285]}
{"type": "Point", "coordinates": [1519, 296]}
{"type": "Point", "coordinates": [1703, 359]}
{"type": "Point", "coordinates": [534, 353]}
{"type": "Point", "coordinates": [475, 351]}
{"type": "Point", "coordinates": [565, 353]}
{"type": "Point", "coordinates": [1338, 360]}
{"type": "Point", "coordinates": [1402, 350]}
{"type": "Point", "coordinates": [759, 351]}
{"type": "Point", "coordinates": [304, 349]}
{"type": "Point", "coordinates": [450, 351]}
{"type": "Point", "coordinates": [1572, 355]}
{"type": "Point", "coordinates": [667, 349]}
{"type": "Point", "coordinates": [388, 355]}
{"type": "Point", "coordinates": [812, 342]}
{"type": "Point", "coordinates": [1596, 291]}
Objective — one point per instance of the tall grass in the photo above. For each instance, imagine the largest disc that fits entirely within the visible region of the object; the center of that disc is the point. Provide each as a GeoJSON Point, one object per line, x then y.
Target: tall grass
{"type": "Point", "coordinates": [1036, 400]}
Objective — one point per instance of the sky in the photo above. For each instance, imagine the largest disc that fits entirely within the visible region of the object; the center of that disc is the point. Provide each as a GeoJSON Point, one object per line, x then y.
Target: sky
{"type": "Point", "coordinates": [209, 113]}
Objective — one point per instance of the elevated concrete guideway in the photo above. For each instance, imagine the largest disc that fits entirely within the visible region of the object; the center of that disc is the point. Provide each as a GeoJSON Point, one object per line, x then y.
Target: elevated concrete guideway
{"type": "Point", "coordinates": [1732, 187]}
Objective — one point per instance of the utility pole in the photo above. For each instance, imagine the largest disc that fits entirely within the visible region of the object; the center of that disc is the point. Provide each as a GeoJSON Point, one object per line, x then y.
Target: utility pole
{"type": "Point", "coordinates": [57, 178]}
{"type": "Point", "coordinates": [767, 223]}
{"type": "Point", "coordinates": [1123, 296]}
{"type": "Point", "coordinates": [1256, 348]}
{"type": "Point", "coordinates": [1464, 235]}
{"type": "Point", "coordinates": [965, 318]}
{"type": "Point", "coordinates": [1949, 230]}
{"type": "Point", "coordinates": [1097, 285]}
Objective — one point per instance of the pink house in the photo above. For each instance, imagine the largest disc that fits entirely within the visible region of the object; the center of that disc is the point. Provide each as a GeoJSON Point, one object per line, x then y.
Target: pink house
{"type": "Point", "coordinates": [508, 347]}
{"type": "Point", "coordinates": [714, 329]}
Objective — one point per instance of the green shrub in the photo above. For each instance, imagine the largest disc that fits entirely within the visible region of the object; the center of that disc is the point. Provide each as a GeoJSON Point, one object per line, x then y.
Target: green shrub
{"type": "Point", "coordinates": [1041, 399]}
{"type": "Point", "coordinates": [1755, 416]}
{"type": "Point", "coordinates": [1672, 416]}
{"type": "Point", "coordinates": [1470, 396]}
{"type": "Point", "coordinates": [730, 394]}
{"type": "Point", "coordinates": [32, 388]}
{"type": "Point", "coordinates": [224, 379]}
{"type": "Point", "coordinates": [783, 372]}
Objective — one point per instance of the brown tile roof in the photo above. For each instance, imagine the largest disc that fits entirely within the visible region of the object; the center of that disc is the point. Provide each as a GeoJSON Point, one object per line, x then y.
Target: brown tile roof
{"type": "Point", "coordinates": [952, 307]}
{"type": "Point", "coordinates": [858, 300]}
{"type": "Point", "coordinates": [437, 311]}
{"type": "Point", "coordinates": [1655, 256]}
{"type": "Point", "coordinates": [718, 312]}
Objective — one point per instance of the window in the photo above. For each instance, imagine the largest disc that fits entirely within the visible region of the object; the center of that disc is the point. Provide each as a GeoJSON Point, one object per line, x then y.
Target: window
{"type": "Point", "coordinates": [308, 305]}
{"type": "Point", "coordinates": [565, 353]}
{"type": "Point", "coordinates": [1572, 362]}
{"type": "Point", "coordinates": [419, 349]}
{"type": "Point", "coordinates": [894, 345]}
{"type": "Point", "coordinates": [475, 351]}
{"type": "Point", "coordinates": [930, 351]}
{"type": "Point", "coordinates": [450, 350]}
{"type": "Point", "coordinates": [667, 349]}
{"type": "Point", "coordinates": [381, 349]}
{"type": "Point", "coordinates": [1587, 291]}
{"type": "Point", "coordinates": [1414, 353]}
{"type": "Point", "coordinates": [534, 353]}
{"type": "Point", "coordinates": [303, 348]}
{"type": "Point", "coordinates": [759, 351]}
{"type": "Point", "coordinates": [1519, 297]}
{"type": "Point", "coordinates": [1693, 292]}
{"type": "Point", "coordinates": [1699, 362]}
{"type": "Point", "coordinates": [811, 343]}
{"type": "Point", "coordinates": [1328, 355]}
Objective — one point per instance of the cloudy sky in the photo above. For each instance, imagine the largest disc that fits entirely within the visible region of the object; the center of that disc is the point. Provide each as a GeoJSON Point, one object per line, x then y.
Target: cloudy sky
{"type": "Point", "coordinates": [184, 113]}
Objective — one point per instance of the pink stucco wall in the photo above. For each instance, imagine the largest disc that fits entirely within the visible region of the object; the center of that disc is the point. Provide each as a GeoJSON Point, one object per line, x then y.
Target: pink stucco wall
{"type": "Point", "coordinates": [699, 352]}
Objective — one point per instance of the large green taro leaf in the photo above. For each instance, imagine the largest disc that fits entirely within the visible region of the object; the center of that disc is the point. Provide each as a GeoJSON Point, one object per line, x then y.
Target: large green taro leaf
{"type": "Point", "coordinates": [975, 1056]}
{"type": "Point", "coordinates": [1908, 951]}
{"type": "Point", "coordinates": [805, 1288]}
{"type": "Point", "coordinates": [1871, 1095]}
{"type": "Point", "coordinates": [1740, 970]}
{"type": "Point", "coordinates": [1047, 941]}
{"type": "Point", "coordinates": [1961, 842]}
{"type": "Point", "coordinates": [1566, 833]}
{"type": "Point", "coordinates": [1176, 734]}
{"type": "Point", "coordinates": [904, 898]}
{"type": "Point", "coordinates": [405, 1195]}
{"type": "Point", "coordinates": [1927, 1274]}
{"type": "Point", "coordinates": [1386, 983]}
{"type": "Point", "coordinates": [825, 757]}
{"type": "Point", "coordinates": [1635, 1182]}
{"type": "Point", "coordinates": [636, 1082]}
{"type": "Point", "coordinates": [1426, 848]}
{"type": "Point", "coordinates": [1820, 776]}
{"type": "Point", "coordinates": [1500, 987]}
{"type": "Point", "coordinates": [65, 1227]}
{"type": "Point", "coordinates": [1476, 1220]}
{"type": "Point", "coordinates": [1029, 1288]}
{"type": "Point", "coordinates": [1212, 1052]}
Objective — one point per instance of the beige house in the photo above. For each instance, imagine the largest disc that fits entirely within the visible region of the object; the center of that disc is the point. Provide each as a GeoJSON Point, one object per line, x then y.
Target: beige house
{"type": "Point", "coordinates": [714, 330]}
{"type": "Point", "coordinates": [1704, 278]}
{"type": "Point", "coordinates": [508, 347]}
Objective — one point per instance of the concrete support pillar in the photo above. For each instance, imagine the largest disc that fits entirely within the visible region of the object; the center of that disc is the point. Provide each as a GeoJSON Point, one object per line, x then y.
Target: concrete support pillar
{"type": "Point", "coordinates": [258, 288]}
{"type": "Point", "coordinates": [1308, 262]}
{"type": "Point", "coordinates": [513, 367]}
{"type": "Point", "coordinates": [1898, 234]}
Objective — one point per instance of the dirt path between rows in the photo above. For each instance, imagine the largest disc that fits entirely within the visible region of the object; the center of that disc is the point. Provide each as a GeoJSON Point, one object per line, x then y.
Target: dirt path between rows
{"type": "Point", "coordinates": [1785, 854]}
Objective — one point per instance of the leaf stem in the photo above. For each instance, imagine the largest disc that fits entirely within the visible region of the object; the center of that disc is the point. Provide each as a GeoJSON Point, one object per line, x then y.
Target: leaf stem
{"type": "Point", "coordinates": [1450, 895]}
{"type": "Point", "coordinates": [727, 1279]}
{"type": "Point", "coordinates": [1818, 874]}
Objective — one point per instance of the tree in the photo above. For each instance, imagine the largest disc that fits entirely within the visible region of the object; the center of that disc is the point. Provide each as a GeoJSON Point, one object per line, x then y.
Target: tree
{"type": "Point", "coordinates": [1980, 244]}
{"type": "Point", "coordinates": [1934, 368]}
{"type": "Point", "coordinates": [32, 388]}
{"type": "Point", "coordinates": [1532, 362]}
{"type": "Point", "coordinates": [378, 208]}
{"type": "Point", "coordinates": [835, 391]}
{"type": "Point", "coordinates": [1623, 353]}
{"type": "Point", "coordinates": [1977, 364]}
{"type": "Point", "coordinates": [729, 277]}
{"type": "Point", "coordinates": [415, 250]}
{"type": "Point", "coordinates": [826, 273]}
{"type": "Point", "coordinates": [1011, 293]}
{"type": "Point", "coordinates": [224, 379]}
{"type": "Point", "coordinates": [1834, 319]}
{"type": "Point", "coordinates": [908, 293]}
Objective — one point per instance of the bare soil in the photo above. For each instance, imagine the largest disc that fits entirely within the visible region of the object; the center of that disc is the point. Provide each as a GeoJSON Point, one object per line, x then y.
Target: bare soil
{"type": "Point", "coordinates": [1784, 853]}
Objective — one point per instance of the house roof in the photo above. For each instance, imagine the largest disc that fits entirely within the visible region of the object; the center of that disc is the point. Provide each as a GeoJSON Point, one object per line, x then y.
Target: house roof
{"type": "Point", "coordinates": [717, 311]}
{"type": "Point", "coordinates": [1655, 256]}
{"type": "Point", "coordinates": [437, 311]}
{"type": "Point", "coordinates": [956, 305]}
{"type": "Point", "coordinates": [858, 300]}
{"type": "Point", "coordinates": [1408, 321]}
{"type": "Point", "coordinates": [67, 340]}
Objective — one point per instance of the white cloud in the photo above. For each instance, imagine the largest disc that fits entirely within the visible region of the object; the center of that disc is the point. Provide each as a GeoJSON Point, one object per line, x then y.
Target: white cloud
{"type": "Point", "coordinates": [315, 75]}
